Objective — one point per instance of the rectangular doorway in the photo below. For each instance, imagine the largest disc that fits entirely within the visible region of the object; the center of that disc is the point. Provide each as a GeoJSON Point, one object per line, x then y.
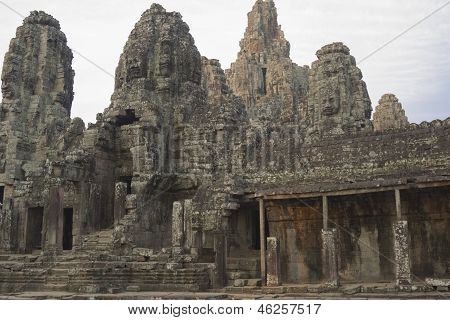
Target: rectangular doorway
{"type": "Point", "coordinates": [34, 229]}
{"type": "Point", "coordinates": [67, 229]}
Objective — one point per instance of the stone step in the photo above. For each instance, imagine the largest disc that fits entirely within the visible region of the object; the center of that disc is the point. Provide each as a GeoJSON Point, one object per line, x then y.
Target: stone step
{"type": "Point", "coordinates": [246, 283]}
{"type": "Point", "coordinates": [19, 257]}
{"type": "Point", "coordinates": [59, 272]}
{"type": "Point", "coordinates": [241, 290]}
{"type": "Point", "coordinates": [54, 287]}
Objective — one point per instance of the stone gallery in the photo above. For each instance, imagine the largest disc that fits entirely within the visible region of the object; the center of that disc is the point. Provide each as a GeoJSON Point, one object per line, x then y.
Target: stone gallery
{"type": "Point", "coordinates": [265, 175]}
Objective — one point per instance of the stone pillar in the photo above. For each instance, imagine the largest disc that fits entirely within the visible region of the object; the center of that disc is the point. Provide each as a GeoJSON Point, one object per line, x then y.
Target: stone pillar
{"type": "Point", "coordinates": [81, 221]}
{"type": "Point", "coordinates": [401, 245]}
{"type": "Point", "coordinates": [329, 257]}
{"type": "Point", "coordinates": [7, 225]}
{"type": "Point", "coordinates": [398, 204]}
{"type": "Point", "coordinates": [188, 223]}
{"type": "Point", "coordinates": [177, 227]}
{"type": "Point", "coordinates": [262, 234]}
{"type": "Point", "coordinates": [401, 253]}
{"type": "Point", "coordinates": [325, 212]}
{"type": "Point", "coordinates": [220, 259]}
{"type": "Point", "coordinates": [120, 198]}
{"type": "Point", "coordinates": [197, 234]}
{"type": "Point", "coordinates": [53, 220]}
{"type": "Point", "coordinates": [273, 262]}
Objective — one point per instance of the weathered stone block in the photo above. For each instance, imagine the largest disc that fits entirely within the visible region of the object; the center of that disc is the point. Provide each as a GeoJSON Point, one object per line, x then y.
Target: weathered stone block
{"type": "Point", "coordinates": [133, 288]}
{"type": "Point", "coordinates": [131, 202]}
{"type": "Point", "coordinates": [145, 252]}
{"type": "Point", "coordinates": [174, 266]}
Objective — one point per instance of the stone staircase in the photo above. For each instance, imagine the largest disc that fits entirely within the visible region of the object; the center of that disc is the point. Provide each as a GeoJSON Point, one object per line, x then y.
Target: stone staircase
{"type": "Point", "coordinates": [93, 267]}
{"type": "Point", "coordinates": [99, 265]}
{"type": "Point", "coordinates": [21, 272]}
{"type": "Point", "coordinates": [243, 272]}
{"type": "Point", "coordinates": [57, 279]}
{"type": "Point", "coordinates": [98, 242]}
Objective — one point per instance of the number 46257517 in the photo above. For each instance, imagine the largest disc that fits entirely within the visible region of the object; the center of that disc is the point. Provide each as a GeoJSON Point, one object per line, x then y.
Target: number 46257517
{"type": "Point", "coordinates": [291, 308]}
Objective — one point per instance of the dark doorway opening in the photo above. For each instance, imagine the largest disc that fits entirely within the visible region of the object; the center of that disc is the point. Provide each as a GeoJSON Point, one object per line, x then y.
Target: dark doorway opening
{"type": "Point", "coordinates": [264, 72]}
{"type": "Point", "coordinates": [34, 229]}
{"type": "Point", "coordinates": [255, 232]}
{"type": "Point", "coordinates": [2, 196]}
{"type": "Point", "coordinates": [67, 229]}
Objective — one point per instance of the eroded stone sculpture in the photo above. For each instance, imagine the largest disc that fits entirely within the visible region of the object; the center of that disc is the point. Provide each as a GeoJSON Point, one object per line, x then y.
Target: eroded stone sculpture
{"type": "Point", "coordinates": [389, 114]}
{"type": "Point", "coordinates": [338, 101]}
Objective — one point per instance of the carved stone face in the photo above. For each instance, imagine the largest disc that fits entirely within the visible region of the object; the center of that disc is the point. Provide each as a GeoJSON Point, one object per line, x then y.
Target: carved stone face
{"type": "Point", "coordinates": [330, 103]}
{"type": "Point", "coordinates": [8, 91]}
{"type": "Point", "coordinates": [60, 97]}
{"type": "Point", "coordinates": [136, 69]}
{"type": "Point", "coordinates": [10, 76]}
{"type": "Point", "coordinates": [165, 60]}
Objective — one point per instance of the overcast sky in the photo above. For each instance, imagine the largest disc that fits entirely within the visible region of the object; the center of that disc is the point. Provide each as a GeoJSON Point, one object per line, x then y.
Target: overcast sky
{"type": "Point", "coordinates": [416, 67]}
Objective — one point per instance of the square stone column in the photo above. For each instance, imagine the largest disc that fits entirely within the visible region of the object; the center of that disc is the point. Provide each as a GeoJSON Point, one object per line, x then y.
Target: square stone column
{"type": "Point", "coordinates": [262, 236]}
{"type": "Point", "coordinates": [52, 234]}
{"type": "Point", "coordinates": [177, 227]}
{"type": "Point", "coordinates": [120, 198]}
{"type": "Point", "coordinates": [220, 248]}
{"type": "Point", "coordinates": [273, 262]}
{"type": "Point", "coordinates": [401, 253]}
{"type": "Point", "coordinates": [329, 257]}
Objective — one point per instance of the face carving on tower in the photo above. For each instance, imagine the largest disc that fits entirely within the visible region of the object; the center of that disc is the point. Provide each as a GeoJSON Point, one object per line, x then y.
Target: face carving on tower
{"type": "Point", "coordinates": [136, 67]}
{"type": "Point", "coordinates": [330, 102]}
{"type": "Point", "coordinates": [338, 99]}
{"type": "Point", "coordinates": [10, 77]}
{"type": "Point", "coordinates": [7, 90]}
{"type": "Point", "coordinates": [165, 59]}
{"type": "Point", "coordinates": [159, 70]}
{"type": "Point", "coordinates": [60, 98]}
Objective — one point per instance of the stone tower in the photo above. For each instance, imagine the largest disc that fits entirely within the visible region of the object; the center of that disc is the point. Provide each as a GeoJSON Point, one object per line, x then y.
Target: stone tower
{"type": "Point", "coordinates": [37, 88]}
{"type": "Point", "coordinates": [159, 72]}
{"type": "Point", "coordinates": [338, 101]}
{"type": "Point", "coordinates": [271, 85]}
{"type": "Point", "coordinates": [389, 114]}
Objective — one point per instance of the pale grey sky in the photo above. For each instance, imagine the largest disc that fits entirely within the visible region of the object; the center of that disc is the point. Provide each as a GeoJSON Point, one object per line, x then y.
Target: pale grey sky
{"type": "Point", "coordinates": [415, 67]}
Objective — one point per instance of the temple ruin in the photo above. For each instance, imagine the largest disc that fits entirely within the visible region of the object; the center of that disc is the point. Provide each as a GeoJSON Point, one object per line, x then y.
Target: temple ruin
{"type": "Point", "coordinates": [265, 176]}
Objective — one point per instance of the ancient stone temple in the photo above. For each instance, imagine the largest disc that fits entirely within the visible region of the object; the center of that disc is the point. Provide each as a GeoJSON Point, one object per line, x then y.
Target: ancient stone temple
{"type": "Point", "coordinates": [267, 177]}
